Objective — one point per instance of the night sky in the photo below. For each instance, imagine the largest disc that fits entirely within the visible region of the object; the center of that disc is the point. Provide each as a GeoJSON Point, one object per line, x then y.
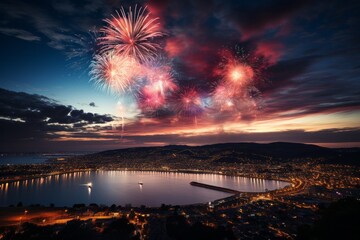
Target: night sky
{"type": "Point", "coordinates": [304, 56]}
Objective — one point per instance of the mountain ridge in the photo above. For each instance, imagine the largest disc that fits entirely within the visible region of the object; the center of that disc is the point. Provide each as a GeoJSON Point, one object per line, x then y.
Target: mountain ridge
{"type": "Point", "coordinates": [234, 152]}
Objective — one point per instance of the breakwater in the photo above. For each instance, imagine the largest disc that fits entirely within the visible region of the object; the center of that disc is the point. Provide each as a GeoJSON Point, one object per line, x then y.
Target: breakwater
{"type": "Point", "coordinates": [216, 188]}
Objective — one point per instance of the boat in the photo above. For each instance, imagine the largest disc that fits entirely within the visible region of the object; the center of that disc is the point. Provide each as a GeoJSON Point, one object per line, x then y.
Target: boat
{"type": "Point", "coordinates": [140, 183]}
{"type": "Point", "coordinates": [89, 185]}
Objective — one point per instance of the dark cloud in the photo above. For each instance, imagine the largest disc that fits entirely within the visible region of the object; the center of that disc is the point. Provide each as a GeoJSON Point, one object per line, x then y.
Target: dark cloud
{"type": "Point", "coordinates": [258, 16]}
{"type": "Point", "coordinates": [347, 135]}
{"type": "Point", "coordinates": [92, 104]}
{"type": "Point", "coordinates": [51, 21]}
{"type": "Point", "coordinates": [36, 108]}
{"type": "Point", "coordinates": [33, 123]}
{"type": "Point", "coordinates": [302, 91]}
{"type": "Point", "coordinates": [21, 34]}
{"type": "Point", "coordinates": [342, 137]}
{"type": "Point", "coordinates": [25, 117]}
{"type": "Point", "coordinates": [284, 72]}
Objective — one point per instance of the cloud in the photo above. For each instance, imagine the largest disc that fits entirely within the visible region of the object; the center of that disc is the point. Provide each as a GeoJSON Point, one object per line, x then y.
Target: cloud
{"type": "Point", "coordinates": [85, 140]}
{"type": "Point", "coordinates": [36, 123]}
{"type": "Point", "coordinates": [64, 6]}
{"type": "Point", "coordinates": [271, 50]}
{"type": "Point", "coordinates": [283, 73]}
{"type": "Point", "coordinates": [257, 17]}
{"type": "Point", "coordinates": [300, 87]}
{"type": "Point", "coordinates": [21, 34]}
{"type": "Point", "coordinates": [26, 116]}
{"type": "Point", "coordinates": [57, 23]}
{"type": "Point", "coordinates": [37, 108]}
{"type": "Point", "coordinates": [92, 104]}
{"type": "Point", "coordinates": [346, 135]}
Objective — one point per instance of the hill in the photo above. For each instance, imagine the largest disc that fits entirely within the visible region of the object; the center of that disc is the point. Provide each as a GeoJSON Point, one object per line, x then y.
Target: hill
{"type": "Point", "coordinates": [238, 152]}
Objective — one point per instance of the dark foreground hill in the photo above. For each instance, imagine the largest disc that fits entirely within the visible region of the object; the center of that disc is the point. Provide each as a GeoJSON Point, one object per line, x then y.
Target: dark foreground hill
{"type": "Point", "coordinates": [239, 152]}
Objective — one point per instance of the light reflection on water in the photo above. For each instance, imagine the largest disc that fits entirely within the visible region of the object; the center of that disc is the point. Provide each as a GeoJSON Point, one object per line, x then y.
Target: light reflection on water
{"type": "Point", "coordinates": [122, 187]}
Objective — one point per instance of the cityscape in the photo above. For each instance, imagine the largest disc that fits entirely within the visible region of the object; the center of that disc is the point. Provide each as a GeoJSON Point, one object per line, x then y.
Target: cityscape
{"type": "Point", "coordinates": [179, 120]}
{"type": "Point", "coordinates": [285, 213]}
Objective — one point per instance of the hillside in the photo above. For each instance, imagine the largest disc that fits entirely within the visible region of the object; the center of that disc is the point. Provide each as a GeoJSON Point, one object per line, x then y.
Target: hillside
{"type": "Point", "coordinates": [237, 152]}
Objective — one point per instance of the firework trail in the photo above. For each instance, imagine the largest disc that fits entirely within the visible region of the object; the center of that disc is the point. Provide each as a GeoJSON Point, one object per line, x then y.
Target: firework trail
{"type": "Point", "coordinates": [131, 34]}
{"type": "Point", "coordinates": [114, 73]}
{"type": "Point", "coordinates": [121, 112]}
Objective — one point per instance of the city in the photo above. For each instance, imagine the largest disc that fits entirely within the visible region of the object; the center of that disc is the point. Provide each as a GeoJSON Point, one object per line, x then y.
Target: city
{"type": "Point", "coordinates": [277, 214]}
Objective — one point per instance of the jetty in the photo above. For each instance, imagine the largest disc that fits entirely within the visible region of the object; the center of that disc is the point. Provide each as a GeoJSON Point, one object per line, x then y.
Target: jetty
{"type": "Point", "coordinates": [216, 188]}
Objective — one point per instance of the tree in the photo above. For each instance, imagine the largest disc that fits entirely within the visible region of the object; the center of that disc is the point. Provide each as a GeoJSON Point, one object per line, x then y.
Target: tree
{"type": "Point", "coordinates": [339, 221]}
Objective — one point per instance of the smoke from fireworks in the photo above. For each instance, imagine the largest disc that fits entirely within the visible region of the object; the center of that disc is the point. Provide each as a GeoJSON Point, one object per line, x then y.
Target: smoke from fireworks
{"type": "Point", "coordinates": [131, 34]}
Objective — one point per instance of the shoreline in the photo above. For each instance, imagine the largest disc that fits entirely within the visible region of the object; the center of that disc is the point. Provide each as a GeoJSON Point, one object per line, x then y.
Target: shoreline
{"type": "Point", "coordinates": [189, 171]}
{"type": "Point", "coordinates": [291, 187]}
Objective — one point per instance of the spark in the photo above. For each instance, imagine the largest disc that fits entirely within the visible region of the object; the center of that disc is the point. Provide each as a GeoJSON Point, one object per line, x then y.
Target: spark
{"type": "Point", "coordinates": [235, 72]}
{"type": "Point", "coordinates": [150, 102]}
{"type": "Point", "coordinates": [239, 73]}
{"type": "Point", "coordinates": [159, 86]}
{"type": "Point", "coordinates": [189, 102]}
{"type": "Point", "coordinates": [224, 98]}
{"type": "Point", "coordinates": [82, 49]}
{"type": "Point", "coordinates": [115, 73]}
{"type": "Point", "coordinates": [160, 78]}
{"type": "Point", "coordinates": [235, 92]}
{"type": "Point", "coordinates": [132, 34]}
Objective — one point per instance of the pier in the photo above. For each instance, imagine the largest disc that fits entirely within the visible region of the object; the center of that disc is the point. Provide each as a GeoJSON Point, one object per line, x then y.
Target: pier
{"type": "Point", "coordinates": [216, 188]}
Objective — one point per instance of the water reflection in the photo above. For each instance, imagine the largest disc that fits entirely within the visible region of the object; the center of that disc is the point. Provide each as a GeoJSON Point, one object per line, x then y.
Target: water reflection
{"type": "Point", "coordinates": [123, 187]}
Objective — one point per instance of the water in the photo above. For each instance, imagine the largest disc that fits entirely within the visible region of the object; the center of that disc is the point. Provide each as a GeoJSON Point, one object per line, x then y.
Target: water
{"type": "Point", "coordinates": [122, 187]}
{"type": "Point", "coordinates": [6, 159]}
{"type": "Point", "coordinates": [22, 159]}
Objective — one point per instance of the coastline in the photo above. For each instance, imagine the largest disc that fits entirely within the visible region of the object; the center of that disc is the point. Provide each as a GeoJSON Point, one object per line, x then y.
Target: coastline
{"type": "Point", "coordinates": [292, 187]}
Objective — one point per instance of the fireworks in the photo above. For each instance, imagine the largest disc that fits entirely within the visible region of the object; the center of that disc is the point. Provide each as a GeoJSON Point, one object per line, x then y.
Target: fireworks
{"type": "Point", "coordinates": [239, 74]}
{"type": "Point", "coordinates": [150, 101]}
{"type": "Point", "coordinates": [131, 34]}
{"type": "Point", "coordinates": [189, 102]}
{"type": "Point", "coordinates": [223, 98]}
{"type": "Point", "coordinates": [128, 65]}
{"type": "Point", "coordinates": [159, 76]}
{"type": "Point", "coordinates": [126, 62]}
{"type": "Point", "coordinates": [235, 91]}
{"type": "Point", "coordinates": [113, 72]}
{"type": "Point", "coordinates": [234, 69]}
